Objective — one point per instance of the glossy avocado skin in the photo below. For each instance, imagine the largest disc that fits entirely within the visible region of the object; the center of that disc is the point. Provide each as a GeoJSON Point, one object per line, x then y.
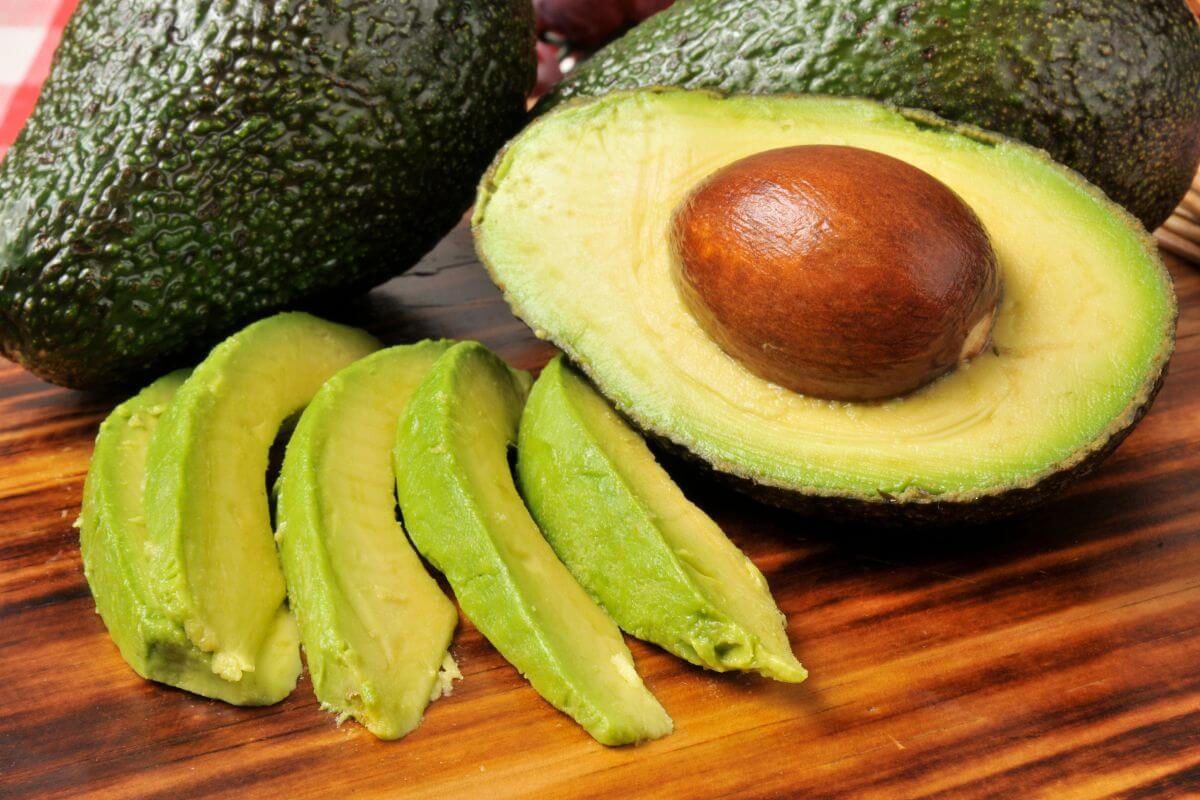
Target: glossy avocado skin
{"type": "Point", "coordinates": [1109, 88]}
{"type": "Point", "coordinates": [195, 164]}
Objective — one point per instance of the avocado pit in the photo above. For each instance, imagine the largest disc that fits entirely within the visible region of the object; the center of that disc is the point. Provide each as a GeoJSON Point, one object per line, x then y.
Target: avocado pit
{"type": "Point", "coordinates": [836, 272]}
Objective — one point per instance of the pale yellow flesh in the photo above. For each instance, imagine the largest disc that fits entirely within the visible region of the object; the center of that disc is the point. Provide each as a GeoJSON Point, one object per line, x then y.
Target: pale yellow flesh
{"type": "Point", "coordinates": [380, 576]}
{"type": "Point", "coordinates": [573, 225]}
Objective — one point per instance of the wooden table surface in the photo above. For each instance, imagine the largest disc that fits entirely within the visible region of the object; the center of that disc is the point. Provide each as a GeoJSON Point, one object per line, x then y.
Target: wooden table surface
{"type": "Point", "coordinates": [1053, 656]}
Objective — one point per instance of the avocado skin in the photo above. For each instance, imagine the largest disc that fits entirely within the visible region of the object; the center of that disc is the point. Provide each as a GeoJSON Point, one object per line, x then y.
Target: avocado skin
{"type": "Point", "coordinates": [911, 509]}
{"type": "Point", "coordinates": [1111, 89]}
{"type": "Point", "coordinates": [195, 164]}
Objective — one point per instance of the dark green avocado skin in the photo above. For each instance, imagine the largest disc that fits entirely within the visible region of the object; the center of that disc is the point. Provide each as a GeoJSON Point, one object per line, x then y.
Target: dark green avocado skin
{"type": "Point", "coordinates": [195, 164]}
{"type": "Point", "coordinates": [1110, 88]}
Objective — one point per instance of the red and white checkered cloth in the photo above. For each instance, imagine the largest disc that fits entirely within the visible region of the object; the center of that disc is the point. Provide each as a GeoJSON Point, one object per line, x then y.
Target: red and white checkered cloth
{"type": "Point", "coordinates": [29, 32]}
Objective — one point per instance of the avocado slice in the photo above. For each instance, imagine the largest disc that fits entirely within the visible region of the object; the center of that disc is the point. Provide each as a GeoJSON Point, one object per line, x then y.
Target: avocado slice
{"type": "Point", "coordinates": [1080, 344]}
{"type": "Point", "coordinates": [658, 564]}
{"type": "Point", "coordinates": [213, 562]}
{"type": "Point", "coordinates": [193, 165]}
{"type": "Point", "coordinates": [375, 626]}
{"type": "Point", "coordinates": [113, 542]}
{"type": "Point", "coordinates": [1058, 75]}
{"type": "Point", "coordinates": [464, 514]}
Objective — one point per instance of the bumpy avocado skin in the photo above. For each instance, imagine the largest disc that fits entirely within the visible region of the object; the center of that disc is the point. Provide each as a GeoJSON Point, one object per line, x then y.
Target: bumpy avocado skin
{"type": "Point", "coordinates": [195, 164]}
{"type": "Point", "coordinates": [1111, 89]}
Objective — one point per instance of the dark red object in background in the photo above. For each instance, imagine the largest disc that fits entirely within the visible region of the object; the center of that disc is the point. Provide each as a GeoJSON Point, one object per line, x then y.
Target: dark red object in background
{"type": "Point", "coordinates": [588, 24]}
{"type": "Point", "coordinates": [569, 30]}
{"type": "Point", "coordinates": [640, 9]}
{"type": "Point", "coordinates": [549, 70]}
{"type": "Point", "coordinates": [585, 23]}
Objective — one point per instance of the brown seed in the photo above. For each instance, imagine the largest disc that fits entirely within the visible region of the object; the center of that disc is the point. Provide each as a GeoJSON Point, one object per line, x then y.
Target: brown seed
{"type": "Point", "coordinates": [835, 271]}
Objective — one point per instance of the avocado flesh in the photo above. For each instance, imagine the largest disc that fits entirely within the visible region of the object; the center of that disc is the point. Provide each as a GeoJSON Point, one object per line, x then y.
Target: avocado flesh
{"type": "Point", "coordinates": [193, 165]}
{"type": "Point", "coordinates": [1110, 88]}
{"type": "Point", "coordinates": [1082, 337]}
{"type": "Point", "coordinates": [113, 543]}
{"type": "Point", "coordinates": [658, 564]}
{"type": "Point", "coordinates": [213, 560]}
{"type": "Point", "coordinates": [464, 514]}
{"type": "Point", "coordinates": [375, 626]}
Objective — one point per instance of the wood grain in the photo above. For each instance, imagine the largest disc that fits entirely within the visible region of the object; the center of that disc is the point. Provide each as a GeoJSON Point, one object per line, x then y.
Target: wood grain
{"type": "Point", "coordinates": [1051, 656]}
{"type": "Point", "coordinates": [1180, 234]}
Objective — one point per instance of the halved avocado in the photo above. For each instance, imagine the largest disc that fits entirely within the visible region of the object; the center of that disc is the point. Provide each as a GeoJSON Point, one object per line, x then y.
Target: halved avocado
{"type": "Point", "coordinates": [464, 514]}
{"type": "Point", "coordinates": [112, 541]}
{"type": "Point", "coordinates": [375, 626]}
{"type": "Point", "coordinates": [213, 561]}
{"type": "Point", "coordinates": [658, 564]}
{"type": "Point", "coordinates": [572, 221]}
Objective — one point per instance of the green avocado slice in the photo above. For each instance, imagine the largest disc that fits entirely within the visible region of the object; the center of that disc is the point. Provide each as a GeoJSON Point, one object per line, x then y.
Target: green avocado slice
{"type": "Point", "coordinates": [213, 557]}
{"type": "Point", "coordinates": [1081, 340]}
{"type": "Point", "coordinates": [113, 542]}
{"type": "Point", "coordinates": [658, 564]}
{"type": "Point", "coordinates": [374, 624]}
{"type": "Point", "coordinates": [464, 514]}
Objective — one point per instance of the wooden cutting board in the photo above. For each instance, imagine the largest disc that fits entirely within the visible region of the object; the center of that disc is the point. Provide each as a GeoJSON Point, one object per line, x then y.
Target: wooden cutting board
{"type": "Point", "coordinates": [1055, 655]}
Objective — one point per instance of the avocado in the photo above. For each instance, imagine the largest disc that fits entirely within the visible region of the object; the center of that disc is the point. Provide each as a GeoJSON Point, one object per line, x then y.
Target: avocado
{"type": "Point", "coordinates": [659, 565]}
{"type": "Point", "coordinates": [464, 515]}
{"type": "Point", "coordinates": [1110, 88]}
{"type": "Point", "coordinates": [212, 556]}
{"type": "Point", "coordinates": [375, 626]}
{"type": "Point", "coordinates": [1080, 342]}
{"type": "Point", "coordinates": [112, 541]}
{"type": "Point", "coordinates": [194, 165]}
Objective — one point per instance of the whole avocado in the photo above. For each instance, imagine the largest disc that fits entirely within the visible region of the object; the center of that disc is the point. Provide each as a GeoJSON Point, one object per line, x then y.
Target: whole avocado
{"type": "Point", "coordinates": [1110, 88]}
{"type": "Point", "coordinates": [194, 164]}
